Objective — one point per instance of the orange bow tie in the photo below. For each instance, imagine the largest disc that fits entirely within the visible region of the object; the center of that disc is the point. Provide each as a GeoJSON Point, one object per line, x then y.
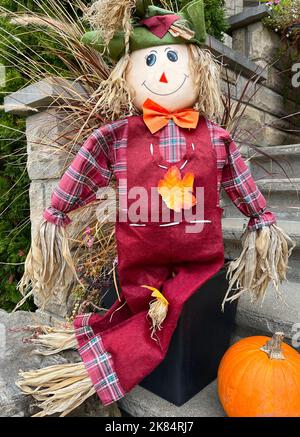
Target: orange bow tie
{"type": "Point", "coordinates": [156, 117]}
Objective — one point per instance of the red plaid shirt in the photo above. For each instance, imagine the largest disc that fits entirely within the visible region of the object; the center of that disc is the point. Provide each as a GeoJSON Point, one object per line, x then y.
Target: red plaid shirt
{"type": "Point", "coordinates": [104, 154]}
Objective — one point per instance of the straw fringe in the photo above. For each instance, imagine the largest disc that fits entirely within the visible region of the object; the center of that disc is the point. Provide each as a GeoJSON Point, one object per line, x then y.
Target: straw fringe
{"type": "Point", "coordinates": [264, 260]}
{"type": "Point", "coordinates": [49, 265]}
{"type": "Point", "coordinates": [108, 16]}
{"type": "Point", "coordinates": [54, 339]}
{"type": "Point", "coordinates": [58, 389]}
{"type": "Point", "coordinates": [158, 309]}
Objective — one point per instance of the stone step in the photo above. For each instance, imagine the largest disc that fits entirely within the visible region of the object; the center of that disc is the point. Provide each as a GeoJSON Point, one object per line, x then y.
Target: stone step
{"type": "Point", "coordinates": [279, 185]}
{"type": "Point", "coordinates": [232, 232]}
{"type": "Point", "coordinates": [263, 167]}
{"type": "Point", "coordinates": [273, 314]}
{"type": "Point", "coordinates": [142, 403]}
{"type": "Point", "coordinates": [233, 229]}
{"type": "Point", "coordinates": [282, 195]}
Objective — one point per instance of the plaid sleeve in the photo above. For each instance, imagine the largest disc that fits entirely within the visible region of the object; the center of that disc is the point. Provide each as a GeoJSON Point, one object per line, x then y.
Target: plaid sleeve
{"type": "Point", "coordinates": [89, 170]}
{"type": "Point", "coordinates": [241, 188]}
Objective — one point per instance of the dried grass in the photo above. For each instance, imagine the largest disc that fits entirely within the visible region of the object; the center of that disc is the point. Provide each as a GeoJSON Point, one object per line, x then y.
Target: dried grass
{"type": "Point", "coordinates": [109, 16]}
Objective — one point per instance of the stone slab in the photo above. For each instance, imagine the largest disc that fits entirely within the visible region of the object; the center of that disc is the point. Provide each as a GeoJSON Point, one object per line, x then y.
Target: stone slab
{"type": "Point", "coordinates": [247, 16]}
{"type": "Point", "coordinates": [233, 228]}
{"type": "Point", "coordinates": [264, 167]}
{"type": "Point", "coordinates": [233, 7]}
{"type": "Point", "coordinates": [42, 94]}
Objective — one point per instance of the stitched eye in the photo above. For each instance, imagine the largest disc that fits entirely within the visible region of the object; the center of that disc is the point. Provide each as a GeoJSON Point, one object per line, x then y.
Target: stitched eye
{"type": "Point", "coordinates": [172, 56]}
{"type": "Point", "coordinates": [151, 59]}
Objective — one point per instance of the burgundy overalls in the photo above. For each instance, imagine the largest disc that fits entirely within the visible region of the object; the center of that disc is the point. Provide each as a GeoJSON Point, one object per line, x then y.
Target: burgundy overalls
{"type": "Point", "coordinates": [165, 257]}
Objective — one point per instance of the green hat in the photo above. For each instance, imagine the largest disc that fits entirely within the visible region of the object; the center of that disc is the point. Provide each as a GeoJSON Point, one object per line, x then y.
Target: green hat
{"type": "Point", "coordinates": [153, 28]}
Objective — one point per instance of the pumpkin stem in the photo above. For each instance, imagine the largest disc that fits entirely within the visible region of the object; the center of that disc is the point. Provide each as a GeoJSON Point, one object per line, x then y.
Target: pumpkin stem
{"type": "Point", "coordinates": [273, 347]}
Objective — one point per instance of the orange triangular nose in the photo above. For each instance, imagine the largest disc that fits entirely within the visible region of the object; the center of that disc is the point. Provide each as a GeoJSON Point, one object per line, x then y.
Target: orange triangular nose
{"type": "Point", "coordinates": [163, 78]}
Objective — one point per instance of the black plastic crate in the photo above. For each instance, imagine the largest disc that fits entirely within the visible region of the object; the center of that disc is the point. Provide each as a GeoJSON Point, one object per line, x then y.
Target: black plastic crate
{"type": "Point", "coordinates": [201, 338]}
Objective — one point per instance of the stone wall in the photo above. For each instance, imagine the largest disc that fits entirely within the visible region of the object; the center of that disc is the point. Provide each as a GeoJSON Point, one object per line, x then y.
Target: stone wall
{"type": "Point", "coordinates": [233, 7]}
{"type": "Point", "coordinates": [278, 98]}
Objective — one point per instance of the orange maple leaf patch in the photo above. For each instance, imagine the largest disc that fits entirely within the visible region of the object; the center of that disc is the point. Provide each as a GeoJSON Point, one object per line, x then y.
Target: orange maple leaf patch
{"type": "Point", "coordinates": [177, 192]}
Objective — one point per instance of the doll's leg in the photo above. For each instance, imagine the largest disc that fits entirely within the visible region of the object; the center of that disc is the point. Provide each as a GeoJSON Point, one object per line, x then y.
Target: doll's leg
{"type": "Point", "coordinates": [133, 298]}
{"type": "Point", "coordinates": [126, 353]}
{"type": "Point", "coordinates": [143, 259]}
{"type": "Point", "coordinates": [119, 358]}
{"type": "Point", "coordinates": [188, 277]}
{"type": "Point", "coordinates": [132, 279]}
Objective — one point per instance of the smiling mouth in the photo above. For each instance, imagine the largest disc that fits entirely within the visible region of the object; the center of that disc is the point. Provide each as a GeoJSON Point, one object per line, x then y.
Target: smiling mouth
{"type": "Point", "coordinates": [166, 94]}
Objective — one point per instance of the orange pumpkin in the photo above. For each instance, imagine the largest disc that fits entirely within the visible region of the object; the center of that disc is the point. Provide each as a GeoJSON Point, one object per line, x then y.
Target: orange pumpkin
{"type": "Point", "coordinates": [260, 377]}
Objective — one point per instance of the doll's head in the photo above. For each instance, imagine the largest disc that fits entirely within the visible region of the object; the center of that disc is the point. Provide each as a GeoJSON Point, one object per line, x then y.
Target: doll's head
{"type": "Point", "coordinates": [174, 76]}
{"type": "Point", "coordinates": [163, 74]}
{"type": "Point", "coordinates": [160, 57]}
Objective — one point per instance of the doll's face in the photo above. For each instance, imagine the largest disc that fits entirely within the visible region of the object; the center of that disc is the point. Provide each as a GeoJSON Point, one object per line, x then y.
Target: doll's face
{"type": "Point", "coordinates": [162, 74]}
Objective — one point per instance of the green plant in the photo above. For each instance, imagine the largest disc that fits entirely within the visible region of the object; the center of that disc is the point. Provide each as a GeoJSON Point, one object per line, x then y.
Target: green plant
{"type": "Point", "coordinates": [284, 19]}
{"type": "Point", "coordinates": [14, 203]}
{"type": "Point", "coordinates": [25, 54]}
{"type": "Point", "coordinates": [41, 39]}
{"type": "Point", "coordinates": [216, 23]}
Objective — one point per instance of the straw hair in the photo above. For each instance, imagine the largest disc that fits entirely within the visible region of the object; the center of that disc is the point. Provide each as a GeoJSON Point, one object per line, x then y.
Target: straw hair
{"type": "Point", "coordinates": [113, 97]}
{"type": "Point", "coordinates": [49, 266]}
{"type": "Point", "coordinates": [206, 73]}
{"type": "Point", "coordinates": [264, 260]}
{"type": "Point", "coordinates": [58, 389]}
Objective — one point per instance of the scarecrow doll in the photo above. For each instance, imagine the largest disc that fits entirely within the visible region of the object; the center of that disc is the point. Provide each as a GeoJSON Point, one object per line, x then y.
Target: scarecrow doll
{"type": "Point", "coordinates": [170, 162]}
